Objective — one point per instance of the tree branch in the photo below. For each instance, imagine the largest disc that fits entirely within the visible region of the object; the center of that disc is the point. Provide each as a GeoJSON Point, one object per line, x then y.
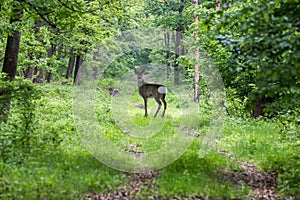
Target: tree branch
{"type": "Point", "coordinates": [42, 15]}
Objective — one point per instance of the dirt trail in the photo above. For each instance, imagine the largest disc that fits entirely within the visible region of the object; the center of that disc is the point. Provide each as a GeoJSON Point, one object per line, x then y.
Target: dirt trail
{"type": "Point", "coordinates": [263, 185]}
{"type": "Point", "coordinates": [137, 183]}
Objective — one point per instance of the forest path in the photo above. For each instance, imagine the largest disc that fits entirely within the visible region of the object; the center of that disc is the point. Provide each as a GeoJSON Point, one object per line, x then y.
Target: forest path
{"type": "Point", "coordinates": [142, 185]}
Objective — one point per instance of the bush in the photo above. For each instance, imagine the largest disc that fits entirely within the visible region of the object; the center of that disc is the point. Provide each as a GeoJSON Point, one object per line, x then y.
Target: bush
{"type": "Point", "coordinates": [16, 132]}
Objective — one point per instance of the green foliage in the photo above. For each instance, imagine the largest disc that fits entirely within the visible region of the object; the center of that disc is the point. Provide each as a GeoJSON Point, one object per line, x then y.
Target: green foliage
{"type": "Point", "coordinates": [263, 40]}
{"type": "Point", "coordinates": [54, 164]}
{"type": "Point", "coordinates": [167, 14]}
{"type": "Point", "coordinates": [23, 96]}
{"type": "Point", "coordinates": [51, 28]}
{"type": "Point", "coordinates": [255, 46]}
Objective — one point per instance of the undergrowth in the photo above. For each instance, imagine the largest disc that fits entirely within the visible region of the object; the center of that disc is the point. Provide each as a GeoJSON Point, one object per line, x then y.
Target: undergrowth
{"type": "Point", "coordinates": [56, 164]}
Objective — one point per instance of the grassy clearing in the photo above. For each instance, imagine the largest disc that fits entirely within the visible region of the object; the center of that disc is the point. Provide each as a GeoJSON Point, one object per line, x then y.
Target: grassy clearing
{"type": "Point", "coordinates": [56, 164]}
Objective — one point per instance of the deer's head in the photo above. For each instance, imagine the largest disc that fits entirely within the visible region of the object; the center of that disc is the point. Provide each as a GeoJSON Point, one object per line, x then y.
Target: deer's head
{"type": "Point", "coordinates": [140, 76]}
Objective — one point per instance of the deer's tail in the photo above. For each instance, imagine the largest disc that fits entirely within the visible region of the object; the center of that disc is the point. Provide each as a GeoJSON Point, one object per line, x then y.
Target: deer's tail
{"type": "Point", "coordinates": [162, 90]}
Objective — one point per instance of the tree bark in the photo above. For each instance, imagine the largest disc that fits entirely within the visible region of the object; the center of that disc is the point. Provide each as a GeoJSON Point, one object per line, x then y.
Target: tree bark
{"type": "Point", "coordinates": [258, 108]}
{"type": "Point", "coordinates": [48, 77]}
{"type": "Point", "coordinates": [71, 64]}
{"type": "Point", "coordinates": [196, 66]}
{"type": "Point", "coordinates": [178, 49]}
{"type": "Point", "coordinates": [77, 69]}
{"type": "Point", "coordinates": [50, 53]}
{"type": "Point", "coordinates": [11, 55]}
{"type": "Point", "coordinates": [168, 54]}
{"type": "Point", "coordinates": [10, 62]}
{"type": "Point", "coordinates": [40, 76]}
{"type": "Point", "coordinates": [29, 73]}
{"type": "Point", "coordinates": [176, 64]}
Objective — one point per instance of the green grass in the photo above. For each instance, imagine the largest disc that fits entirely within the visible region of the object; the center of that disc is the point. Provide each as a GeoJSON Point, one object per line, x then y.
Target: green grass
{"type": "Point", "coordinates": [191, 175]}
{"type": "Point", "coordinates": [56, 164]}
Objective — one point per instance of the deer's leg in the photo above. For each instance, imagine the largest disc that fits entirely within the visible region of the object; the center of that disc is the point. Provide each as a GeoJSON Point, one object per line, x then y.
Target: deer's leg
{"type": "Point", "coordinates": [159, 105]}
{"type": "Point", "coordinates": [145, 103]}
{"type": "Point", "coordinates": [165, 106]}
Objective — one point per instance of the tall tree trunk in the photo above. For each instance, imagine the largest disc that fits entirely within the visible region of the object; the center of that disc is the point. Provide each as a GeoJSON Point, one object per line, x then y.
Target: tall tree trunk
{"type": "Point", "coordinates": [79, 61]}
{"type": "Point", "coordinates": [50, 53]}
{"type": "Point", "coordinates": [77, 69]}
{"type": "Point", "coordinates": [11, 55]}
{"type": "Point", "coordinates": [29, 73]}
{"type": "Point", "coordinates": [177, 50]}
{"type": "Point", "coordinates": [168, 53]}
{"type": "Point", "coordinates": [11, 59]}
{"type": "Point", "coordinates": [196, 67]}
{"type": "Point", "coordinates": [71, 64]}
{"type": "Point", "coordinates": [48, 77]}
{"type": "Point", "coordinates": [40, 76]}
{"type": "Point", "coordinates": [258, 108]}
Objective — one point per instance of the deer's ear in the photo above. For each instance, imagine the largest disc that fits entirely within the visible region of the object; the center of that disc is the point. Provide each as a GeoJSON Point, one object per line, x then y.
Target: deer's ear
{"type": "Point", "coordinates": [136, 70]}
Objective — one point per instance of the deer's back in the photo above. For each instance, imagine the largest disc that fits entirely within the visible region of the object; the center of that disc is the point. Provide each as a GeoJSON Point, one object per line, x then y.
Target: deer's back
{"type": "Point", "coordinates": [151, 90]}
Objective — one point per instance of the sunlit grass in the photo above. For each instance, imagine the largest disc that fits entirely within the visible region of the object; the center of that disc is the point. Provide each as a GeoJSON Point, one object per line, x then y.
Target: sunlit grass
{"type": "Point", "coordinates": [60, 166]}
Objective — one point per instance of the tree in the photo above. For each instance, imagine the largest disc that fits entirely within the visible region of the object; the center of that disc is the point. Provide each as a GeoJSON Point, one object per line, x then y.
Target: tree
{"type": "Point", "coordinates": [62, 23]}
{"type": "Point", "coordinates": [11, 55]}
{"type": "Point", "coordinates": [13, 42]}
{"type": "Point", "coordinates": [264, 45]}
{"type": "Point", "coordinates": [196, 66]}
{"type": "Point", "coordinates": [70, 63]}
{"type": "Point", "coordinates": [171, 15]}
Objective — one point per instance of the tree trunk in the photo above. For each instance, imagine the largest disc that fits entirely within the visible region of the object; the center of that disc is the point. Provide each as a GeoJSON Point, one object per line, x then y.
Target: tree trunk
{"type": "Point", "coordinates": [71, 64]}
{"type": "Point", "coordinates": [29, 73]}
{"type": "Point", "coordinates": [11, 55]}
{"type": "Point", "coordinates": [11, 60]}
{"type": "Point", "coordinates": [178, 49]}
{"type": "Point", "coordinates": [50, 53]}
{"type": "Point", "coordinates": [196, 67]}
{"type": "Point", "coordinates": [40, 77]}
{"type": "Point", "coordinates": [176, 64]}
{"type": "Point", "coordinates": [77, 69]}
{"type": "Point", "coordinates": [168, 54]}
{"type": "Point", "coordinates": [48, 77]}
{"type": "Point", "coordinates": [258, 108]}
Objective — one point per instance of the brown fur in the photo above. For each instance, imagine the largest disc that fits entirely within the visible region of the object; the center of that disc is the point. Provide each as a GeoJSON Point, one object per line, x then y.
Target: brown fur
{"type": "Point", "coordinates": [148, 90]}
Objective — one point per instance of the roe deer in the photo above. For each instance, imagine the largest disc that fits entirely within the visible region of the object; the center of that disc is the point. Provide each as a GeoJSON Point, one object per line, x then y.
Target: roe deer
{"type": "Point", "coordinates": [149, 90]}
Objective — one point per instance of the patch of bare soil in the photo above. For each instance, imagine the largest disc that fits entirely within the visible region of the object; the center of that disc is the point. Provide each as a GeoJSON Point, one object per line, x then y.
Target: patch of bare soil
{"type": "Point", "coordinates": [141, 186]}
{"type": "Point", "coordinates": [263, 184]}
{"type": "Point", "coordinates": [137, 183]}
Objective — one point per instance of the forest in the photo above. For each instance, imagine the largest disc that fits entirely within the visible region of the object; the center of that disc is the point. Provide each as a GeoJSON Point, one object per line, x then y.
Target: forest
{"type": "Point", "coordinates": [153, 99]}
